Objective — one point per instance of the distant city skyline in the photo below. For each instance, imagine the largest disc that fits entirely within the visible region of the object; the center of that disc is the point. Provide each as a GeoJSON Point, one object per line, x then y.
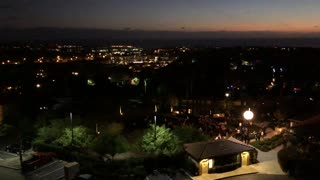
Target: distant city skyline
{"type": "Point", "coordinates": [166, 15]}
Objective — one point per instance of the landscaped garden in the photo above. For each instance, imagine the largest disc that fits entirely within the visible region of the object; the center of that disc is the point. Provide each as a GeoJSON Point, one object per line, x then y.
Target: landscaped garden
{"type": "Point", "coordinates": [157, 147]}
{"type": "Point", "coordinates": [268, 144]}
{"type": "Point", "coordinates": [300, 158]}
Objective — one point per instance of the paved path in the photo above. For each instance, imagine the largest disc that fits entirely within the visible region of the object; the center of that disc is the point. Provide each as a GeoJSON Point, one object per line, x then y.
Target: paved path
{"type": "Point", "coordinates": [6, 155]}
{"type": "Point", "coordinates": [268, 165]}
{"type": "Point", "coordinates": [268, 161]}
{"type": "Point", "coordinates": [240, 171]}
{"type": "Point", "coordinates": [14, 162]}
{"type": "Point", "coordinates": [10, 174]}
{"type": "Point", "coordinates": [260, 177]}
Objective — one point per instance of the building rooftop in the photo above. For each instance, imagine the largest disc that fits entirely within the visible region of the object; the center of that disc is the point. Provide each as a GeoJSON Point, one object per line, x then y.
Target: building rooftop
{"type": "Point", "coordinates": [217, 148]}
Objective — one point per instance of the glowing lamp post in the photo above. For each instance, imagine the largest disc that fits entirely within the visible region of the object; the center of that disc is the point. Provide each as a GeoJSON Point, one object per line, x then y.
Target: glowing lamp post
{"type": "Point", "coordinates": [248, 115]}
{"type": "Point", "coordinates": [71, 128]}
{"type": "Point", "coordinates": [155, 122]}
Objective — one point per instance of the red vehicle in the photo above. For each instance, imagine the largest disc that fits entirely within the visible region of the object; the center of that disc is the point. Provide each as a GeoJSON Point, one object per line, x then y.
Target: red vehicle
{"type": "Point", "coordinates": [37, 161]}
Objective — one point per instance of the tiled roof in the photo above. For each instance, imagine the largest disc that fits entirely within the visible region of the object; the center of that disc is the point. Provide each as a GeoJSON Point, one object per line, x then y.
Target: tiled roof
{"type": "Point", "coordinates": [217, 148]}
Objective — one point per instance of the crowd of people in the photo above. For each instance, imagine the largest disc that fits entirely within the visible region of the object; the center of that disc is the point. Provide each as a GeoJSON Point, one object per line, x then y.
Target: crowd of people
{"type": "Point", "coordinates": [245, 136]}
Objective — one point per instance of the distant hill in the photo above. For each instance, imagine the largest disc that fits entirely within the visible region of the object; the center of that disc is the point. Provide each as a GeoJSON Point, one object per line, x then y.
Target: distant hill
{"type": "Point", "coordinates": [164, 38]}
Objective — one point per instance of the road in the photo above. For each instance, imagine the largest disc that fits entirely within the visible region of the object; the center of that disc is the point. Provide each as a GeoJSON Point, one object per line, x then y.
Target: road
{"type": "Point", "coordinates": [10, 174]}
{"type": "Point", "coordinates": [53, 170]}
{"type": "Point", "coordinates": [6, 155]}
{"type": "Point", "coordinates": [261, 177]}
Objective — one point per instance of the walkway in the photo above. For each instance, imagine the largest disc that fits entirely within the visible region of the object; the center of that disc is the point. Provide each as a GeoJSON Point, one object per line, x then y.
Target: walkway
{"type": "Point", "coordinates": [240, 171]}
{"type": "Point", "coordinates": [268, 164]}
{"type": "Point", "coordinates": [268, 161]}
{"type": "Point", "coordinates": [14, 162]}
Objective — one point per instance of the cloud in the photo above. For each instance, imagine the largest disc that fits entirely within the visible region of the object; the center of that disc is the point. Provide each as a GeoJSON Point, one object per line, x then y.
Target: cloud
{"type": "Point", "coordinates": [15, 5]}
{"type": "Point", "coordinates": [12, 12]}
{"type": "Point", "coordinates": [11, 18]}
{"type": "Point", "coordinates": [4, 6]}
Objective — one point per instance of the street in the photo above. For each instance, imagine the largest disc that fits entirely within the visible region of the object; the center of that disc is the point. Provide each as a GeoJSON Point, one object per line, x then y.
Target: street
{"type": "Point", "coordinates": [6, 155]}
{"type": "Point", "coordinates": [10, 174]}
{"type": "Point", "coordinates": [260, 177]}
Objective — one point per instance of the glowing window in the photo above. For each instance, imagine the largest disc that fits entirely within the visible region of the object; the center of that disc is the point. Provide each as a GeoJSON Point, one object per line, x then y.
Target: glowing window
{"type": "Point", "coordinates": [210, 163]}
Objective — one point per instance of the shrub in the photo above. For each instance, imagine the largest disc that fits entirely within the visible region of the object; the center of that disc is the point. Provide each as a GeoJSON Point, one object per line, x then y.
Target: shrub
{"type": "Point", "coordinates": [109, 144]}
{"type": "Point", "coordinates": [296, 164]}
{"type": "Point", "coordinates": [189, 134]}
{"type": "Point", "coordinates": [63, 153]}
{"type": "Point", "coordinates": [6, 129]}
{"type": "Point", "coordinates": [160, 140]}
{"type": "Point", "coordinates": [42, 147]}
{"type": "Point", "coordinates": [286, 158]}
{"type": "Point", "coordinates": [82, 137]}
{"type": "Point", "coordinates": [268, 144]}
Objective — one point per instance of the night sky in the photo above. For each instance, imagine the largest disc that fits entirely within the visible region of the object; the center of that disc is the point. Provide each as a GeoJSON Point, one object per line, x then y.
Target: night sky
{"type": "Point", "coordinates": [169, 15]}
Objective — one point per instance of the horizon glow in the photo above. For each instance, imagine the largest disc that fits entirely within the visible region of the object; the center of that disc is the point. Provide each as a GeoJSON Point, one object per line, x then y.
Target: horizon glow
{"type": "Point", "coordinates": [165, 15]}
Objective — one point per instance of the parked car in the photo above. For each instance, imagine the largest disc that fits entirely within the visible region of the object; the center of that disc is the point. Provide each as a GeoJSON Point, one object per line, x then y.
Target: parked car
{"type": "Point", "coordinates": [38, 160]}
{"type": "Point", "coordinates": [14, 148]}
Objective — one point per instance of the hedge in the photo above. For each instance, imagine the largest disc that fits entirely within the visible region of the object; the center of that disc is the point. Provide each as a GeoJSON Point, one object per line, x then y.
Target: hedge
{"type": "Point", "coordinates": [295, 164]}
{"type": "Point", "coordinates": [62, 152]}
{"type": "Point", "coordinates": [269, 144]}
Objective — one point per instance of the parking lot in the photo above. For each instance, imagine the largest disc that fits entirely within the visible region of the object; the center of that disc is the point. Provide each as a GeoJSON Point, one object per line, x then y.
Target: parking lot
{"type": "Point", "coordinates": [6, 155]}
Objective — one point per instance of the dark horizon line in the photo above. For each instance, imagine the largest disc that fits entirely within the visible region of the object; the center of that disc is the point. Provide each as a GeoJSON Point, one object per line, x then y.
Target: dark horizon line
{"type": "Point", "coordinates": [44, 33]}
{"type": "Point", "coordinates": [161, 38]}
{"type": "Point", "coordinates": [145, 30]}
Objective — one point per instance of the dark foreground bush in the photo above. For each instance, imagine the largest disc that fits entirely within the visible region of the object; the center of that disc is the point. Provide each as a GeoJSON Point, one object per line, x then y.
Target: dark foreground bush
{"type": "Point", "coordinates": [296, 164]}
{"type": "Point", "coordinates": [64, 153]}
{"type": "Point", "coordinates": [191, 167]}
{"type": "Point", "coordinates": [285, 158]}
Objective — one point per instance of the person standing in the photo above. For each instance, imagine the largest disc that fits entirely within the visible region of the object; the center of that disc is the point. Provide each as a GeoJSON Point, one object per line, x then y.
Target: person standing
{"type": "Point", "coordinates": [218, 137]}
{"type": "Point", "coordinates": [262, 134]}
{"type": "Point", "coordinates": [258, 136]}
{"type": "Point", "coordinates": [255, 134]}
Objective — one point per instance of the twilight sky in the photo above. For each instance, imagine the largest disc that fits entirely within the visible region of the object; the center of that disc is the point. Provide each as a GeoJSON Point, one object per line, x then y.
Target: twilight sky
{"type": "Point", "coordinates": [176, 15]}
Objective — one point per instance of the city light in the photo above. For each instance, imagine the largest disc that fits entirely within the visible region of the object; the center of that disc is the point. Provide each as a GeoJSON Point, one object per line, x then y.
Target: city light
{"type": "Point", "coordinates": [91, 82]}
{"type": "Point", "coordinates": [75, 73]}
{"type": "Point", "coordinates": [135, 81]}
{"type": "Point", "coordinates": [120, 110]}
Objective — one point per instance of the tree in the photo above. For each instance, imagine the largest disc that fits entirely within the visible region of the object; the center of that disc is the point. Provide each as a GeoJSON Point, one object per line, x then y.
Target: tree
{"type": "Point", "coordinates": [58, 132]}
{"type": "Point", "coordinates": [110, 144]}
{"type": "Point", "coordinates": [82, 137]}
{"type": "Point", "coordinates": [280, 115]}
{"type": "Point", "coordinates": [188, 134]}
{"type": "Point", "coordinates": [51, 132]}
{"type": "Point", "coordinates": [6, 129]}
{"type": "Point", "coordinates": [160, 140]}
